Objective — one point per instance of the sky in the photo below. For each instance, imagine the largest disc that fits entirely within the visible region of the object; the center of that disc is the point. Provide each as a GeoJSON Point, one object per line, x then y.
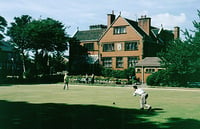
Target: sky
{"type": "Point", "coordinates": [80, 14]}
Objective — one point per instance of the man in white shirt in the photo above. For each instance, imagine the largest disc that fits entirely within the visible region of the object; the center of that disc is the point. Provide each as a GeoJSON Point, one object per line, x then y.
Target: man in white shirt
{"type": "Point", "coordinates": [143, 98]}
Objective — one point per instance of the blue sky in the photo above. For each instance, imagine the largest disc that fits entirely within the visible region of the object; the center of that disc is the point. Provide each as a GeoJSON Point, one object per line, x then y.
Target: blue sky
{"type": "Point", "coordinates": [82, 13]}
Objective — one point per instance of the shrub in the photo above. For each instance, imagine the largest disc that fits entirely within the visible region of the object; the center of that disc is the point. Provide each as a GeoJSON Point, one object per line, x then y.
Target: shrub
{"type": "Point", "coordinates": [158, 78]}
{"type": "Point", "coordinates": [118, 73]}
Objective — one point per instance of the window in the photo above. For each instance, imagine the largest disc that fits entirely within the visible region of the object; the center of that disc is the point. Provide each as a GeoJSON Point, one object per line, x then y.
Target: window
{"type": "Point", "coordinates": [132, 61]}
{"type": "Point", "coordinates": [150, 70]}
{"type": "Point", "coordinates": [108, 47]}
{"type": "Point", "coordinates": [89, 46]}
{"type": "Point", "coordinates": [131, 46]}
{"type": "Point", "coordinates": [138, 70]}
{"type": "Point", "coordinates": [107, 62]}
{"type": "Point", "coordinates": [120, 30]}
{"type": "Point", "coordinates": [119, 62]}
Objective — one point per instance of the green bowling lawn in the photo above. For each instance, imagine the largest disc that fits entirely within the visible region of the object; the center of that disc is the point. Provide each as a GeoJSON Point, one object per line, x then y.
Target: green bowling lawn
{"type": "Point", "coordinates": [48, 106]}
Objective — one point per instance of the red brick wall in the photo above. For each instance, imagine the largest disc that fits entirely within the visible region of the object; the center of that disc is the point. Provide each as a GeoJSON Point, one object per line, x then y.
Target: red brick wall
{"type": "Point", "coordinates": [130, 35]}
{"type": "Point", "coordinates": [145, 74]}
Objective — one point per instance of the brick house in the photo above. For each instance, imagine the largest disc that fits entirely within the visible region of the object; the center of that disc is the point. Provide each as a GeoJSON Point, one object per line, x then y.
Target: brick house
{"type": "Point", "coordinates": [90, 40]}
{"type": "Point", "coordinates": [125, 42]}
{"type": "Point", "coordinates": [146, 67]}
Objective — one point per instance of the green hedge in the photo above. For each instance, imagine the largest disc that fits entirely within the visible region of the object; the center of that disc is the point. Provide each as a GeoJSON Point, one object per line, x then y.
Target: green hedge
{"type": "Point", "coordinates": [159, 78]}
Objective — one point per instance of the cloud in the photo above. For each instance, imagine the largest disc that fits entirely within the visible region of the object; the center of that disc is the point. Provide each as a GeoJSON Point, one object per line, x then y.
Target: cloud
{"type": "Point", "coordinates": [168, 20]}
{"type": "Point", "coordinates": [82, 13]}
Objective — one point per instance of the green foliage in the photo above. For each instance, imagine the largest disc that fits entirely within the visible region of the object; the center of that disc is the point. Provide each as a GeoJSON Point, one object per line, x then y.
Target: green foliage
{"type": "Point", "coordinates": [158, 78]}
{"type": "Point", "coordinates": [77, 58]}
{"type": "Point", "coordinates": [17, 32]}
{"type": "Point", "coordinates": [43, 37]}
{"type": "Point", "coordinates": [118, 73]}
{"type": "Point", "coordinates": [107, 72]}
{"type": "Point", "coordinates": [129, 72]}
{"type": "Point", "coordinates": [177, 60]}
{"type": "Point", "coordinates": [58, 63]}
{"type": "Point", "coordinates": [181, 58]}
{"type": "Point", "coordinates": [47, 35]}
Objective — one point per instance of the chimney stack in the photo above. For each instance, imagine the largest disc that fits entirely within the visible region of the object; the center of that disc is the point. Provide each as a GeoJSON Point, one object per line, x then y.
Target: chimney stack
{"type": "Point", "coordinates": [145, 23]}
{"type": "Point", "coordinates": [110, 18]}
{"type": "Point", "coordinates": [176, 32]}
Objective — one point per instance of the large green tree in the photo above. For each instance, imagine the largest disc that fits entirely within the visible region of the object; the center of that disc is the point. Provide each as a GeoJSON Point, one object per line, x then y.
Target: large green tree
{"type": "Point", "coordinates": [182, 57]}
{"type": "Point", "coordinates": [195, 43]}
{"type": "Point", "coordinates": [18, 35]}
{"type": "Point", "coordinates": [78, 58]}
{"type": "Point", "coordinates": [3, 24]}
{"type": "Point", "coordinates": [46, 36]}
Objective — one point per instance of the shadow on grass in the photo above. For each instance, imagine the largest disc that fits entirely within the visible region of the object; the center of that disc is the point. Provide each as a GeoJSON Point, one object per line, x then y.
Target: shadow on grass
{"type": "Point", "coordinates": [157, 109]}
{"type": "Point", "coordinates": [22, 115]}
{"type": "Point", "coordinates": [179, 123]}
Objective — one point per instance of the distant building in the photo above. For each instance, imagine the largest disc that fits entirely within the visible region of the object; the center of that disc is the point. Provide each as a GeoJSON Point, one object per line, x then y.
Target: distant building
{"type": "Point", "coordinates": [124, 42]}
{"type": "Point", "coordinates": [90, 40]}
{"type": "Point", "coordinates": [146, 67]}
{"type": "Point", "coordinates": [10, 61]}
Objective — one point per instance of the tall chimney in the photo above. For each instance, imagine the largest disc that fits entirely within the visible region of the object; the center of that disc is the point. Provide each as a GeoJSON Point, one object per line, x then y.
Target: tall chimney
{"type": "Point", "coordinates": [110, 18]}
{"type": "Point", "coordinates": [176, 32]}
{"type": "Point", "coordinates": [145, 23]}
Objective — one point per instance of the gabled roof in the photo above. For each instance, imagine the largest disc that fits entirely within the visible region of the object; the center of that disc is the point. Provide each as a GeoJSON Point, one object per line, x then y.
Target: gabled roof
{"type": "Point", "coordinates": [97, 34]}
{"type": "Point", "coordinates": [155, 31]}
{"type": "Point", "coordinates": [89, 35]}
{"type": "Point", "coordinates": [134, 24]}
{"type": "Point", "coordinates": [150, 61]}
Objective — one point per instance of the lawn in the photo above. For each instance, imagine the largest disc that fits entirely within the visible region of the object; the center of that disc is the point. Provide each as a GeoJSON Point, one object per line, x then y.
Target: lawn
{"type": "Point", "coordinates": [48, 106]}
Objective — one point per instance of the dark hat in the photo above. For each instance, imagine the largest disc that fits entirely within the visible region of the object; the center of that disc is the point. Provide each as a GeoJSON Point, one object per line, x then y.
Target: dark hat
{"type": "Point", "coordinates": [135, 87]}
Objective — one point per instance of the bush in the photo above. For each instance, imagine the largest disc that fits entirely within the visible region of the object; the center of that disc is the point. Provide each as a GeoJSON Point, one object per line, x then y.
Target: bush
{"type": "Point", "coordinates": [158, 78]}
{"type": "Point", "coordinates": [118, 73]}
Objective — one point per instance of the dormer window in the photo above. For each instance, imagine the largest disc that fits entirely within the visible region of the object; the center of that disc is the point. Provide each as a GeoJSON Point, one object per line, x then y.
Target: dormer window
{"type": "Point", "coordinates": [120, 30]}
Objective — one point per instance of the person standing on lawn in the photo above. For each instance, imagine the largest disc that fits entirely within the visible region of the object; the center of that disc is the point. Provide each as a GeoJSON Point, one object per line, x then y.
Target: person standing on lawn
{"type": "Point", "coordinates": [143, 97]}
{"type": "Point", "coordinates": [86, 78]}
{"type": "Point", "coordinates": [66, 81]}
{"type": "Point", "coordinates": [92, 78]}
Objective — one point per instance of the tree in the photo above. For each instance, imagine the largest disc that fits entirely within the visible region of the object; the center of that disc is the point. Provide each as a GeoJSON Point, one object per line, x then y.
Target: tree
{"type": "Point", "coordinates": [77, 58]}
{"type": "Point", "coordinates": [181, 58]}
{"type": "Point", "coordinates": [46, 36]}
{"type": "Point", "coordinates": [195, 43]}
{"type": "Point", "coordinates": [3, 24]}
{"type": "Point", "coordinates": [18, 35]}
{"type": "Point", "coordinates": [58, 63]}
{"type": "Point", "coordinates": [177, 60]}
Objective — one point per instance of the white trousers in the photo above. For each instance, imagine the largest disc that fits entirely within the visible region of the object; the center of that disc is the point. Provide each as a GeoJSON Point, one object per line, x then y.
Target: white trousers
{"type": "Point", "coordinates": [143, 101]}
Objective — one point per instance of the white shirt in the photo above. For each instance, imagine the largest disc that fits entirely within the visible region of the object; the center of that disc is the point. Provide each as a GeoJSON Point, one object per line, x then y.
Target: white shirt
{"type": "Point", "coordinates": [138, 92]}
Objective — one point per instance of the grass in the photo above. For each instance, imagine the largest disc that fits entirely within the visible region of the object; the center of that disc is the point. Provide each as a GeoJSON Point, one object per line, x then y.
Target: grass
{"type": "Point", "coordinates": [48, 106]}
